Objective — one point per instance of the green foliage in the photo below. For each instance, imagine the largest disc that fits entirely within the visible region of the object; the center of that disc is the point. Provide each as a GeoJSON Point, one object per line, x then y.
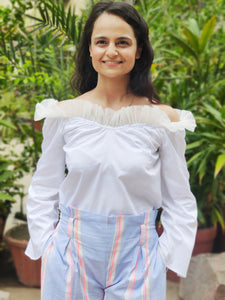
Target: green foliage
{"type": "Point", "coordinates": [9, 173]}
{"type": "Point", "coordinates": [56, 20]}
{"type": "Point", "coordinates": [206, 152]}
{"type": "Point", "coordinates": [188, 73]}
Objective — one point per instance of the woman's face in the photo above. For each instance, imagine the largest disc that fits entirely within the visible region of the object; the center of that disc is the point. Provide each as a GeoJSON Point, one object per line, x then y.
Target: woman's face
{"type": "Point", "coordinates": [113, 47]}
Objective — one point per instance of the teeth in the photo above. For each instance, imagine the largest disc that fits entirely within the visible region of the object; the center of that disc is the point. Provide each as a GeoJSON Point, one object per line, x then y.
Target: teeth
{"type": "Point", "coordinates": [112, 62]}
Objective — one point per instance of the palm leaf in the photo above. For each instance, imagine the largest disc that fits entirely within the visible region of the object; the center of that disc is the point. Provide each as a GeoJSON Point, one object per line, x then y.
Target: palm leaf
{"type": "Point", "coordinates": [192, 38]}
{"type": "Point", "coordinates": [54, 17]}
{"type": "Point", "coordinates": [207, 33]}
{"type": "Point", "coordinates": [195, 158]}
{"type": "Point", "coordinates": [220, 163]}
{"type": "Point", "coordinates": [193, 27]}
{"type": "Point", "coordinates": [185, 46]}
{"type": "Point", "coordinates": [194, 145]}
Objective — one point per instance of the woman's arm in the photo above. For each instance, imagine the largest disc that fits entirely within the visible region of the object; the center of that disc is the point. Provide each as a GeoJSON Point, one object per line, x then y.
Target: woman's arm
{"type": "Point", "coordinates": [43, 196]}
{"type": "Point", "coordinates": [179, 216]}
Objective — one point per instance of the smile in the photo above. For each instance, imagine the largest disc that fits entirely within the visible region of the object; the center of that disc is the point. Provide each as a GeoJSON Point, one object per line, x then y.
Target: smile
{"type": "Point", "coordinates": [112, 62]}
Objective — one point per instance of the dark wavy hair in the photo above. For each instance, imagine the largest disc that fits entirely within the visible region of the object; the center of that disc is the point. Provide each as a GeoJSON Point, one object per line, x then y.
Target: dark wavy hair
{"type": "Point", "coordinates": [85, 77]}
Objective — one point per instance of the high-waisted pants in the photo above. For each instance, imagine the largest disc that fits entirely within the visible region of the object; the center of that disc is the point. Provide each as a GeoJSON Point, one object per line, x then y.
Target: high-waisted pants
{"type": "Point", "coordinates": [96, 257]}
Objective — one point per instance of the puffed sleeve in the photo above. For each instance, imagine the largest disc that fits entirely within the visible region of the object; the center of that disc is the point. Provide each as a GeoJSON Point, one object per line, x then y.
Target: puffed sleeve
{"type": "Point", "coordinates": [179, 216]}
{"type": "Point", "coordinates": [43, 194]}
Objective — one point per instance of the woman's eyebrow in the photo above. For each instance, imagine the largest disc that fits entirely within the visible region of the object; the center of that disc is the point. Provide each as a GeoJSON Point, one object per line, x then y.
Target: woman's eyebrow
{"type": "Point", "coordinates": [119, 38]}
{"type": "Point", "coordinates": [100, 37]}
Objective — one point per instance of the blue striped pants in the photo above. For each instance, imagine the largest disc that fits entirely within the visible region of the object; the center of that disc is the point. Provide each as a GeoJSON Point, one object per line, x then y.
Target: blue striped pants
{"type": "Point", "coordinates": [96, 257]}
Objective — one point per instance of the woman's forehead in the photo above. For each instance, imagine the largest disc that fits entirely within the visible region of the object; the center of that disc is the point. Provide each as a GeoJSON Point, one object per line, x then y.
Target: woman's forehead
{"type": "Point", "coordinates": [112, 25]}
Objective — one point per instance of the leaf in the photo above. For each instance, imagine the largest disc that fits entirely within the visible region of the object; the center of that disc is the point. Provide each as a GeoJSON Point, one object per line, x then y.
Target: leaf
{"type": "Point", "coordinates": [7, 124]}
{"type": "Point", "coordinates": [194, 158]}
{"type": "Point", "coordinates": [185, 46]}
{"type": "Point", "coordinates": [207, 32]}
{"type": "Point", "coordinates": [203, 120]}
{"type": "Point", "coordinates": [172, 52]}
{"type": "Point", "coordinates": [215, 113]}
{"type": "Point", "coordinates": [202, 168]}
{"type": "Point", "coordinates": [211, 136]}
{"type": "Point", "coordinates": [6, 175]}
{"type": "Point", "coordinates": [5, 196]}
{"type": "Point", "coordinates": [217, 217]}
{"type": "Point", "coordinates": [192, 38]}
{"type": "Point", "coordinates": [193, 27]}
{"type": "Point", "coordinates": [220, 163]}
{"type": "Point", "coordinates": [34, 18]}
{"type": "Point", "coordinates": [194, 145]}
{"type": "Point", "coordinates": [201, 217]}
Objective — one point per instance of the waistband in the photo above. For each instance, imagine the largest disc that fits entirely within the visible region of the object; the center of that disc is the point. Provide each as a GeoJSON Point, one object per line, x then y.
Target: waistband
{"type": "Point", "coordinates": [147, 218]}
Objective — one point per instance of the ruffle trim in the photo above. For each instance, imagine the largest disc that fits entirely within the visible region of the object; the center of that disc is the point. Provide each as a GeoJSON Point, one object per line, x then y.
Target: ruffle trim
{"type": "Point", "coordinates": [51, 108]}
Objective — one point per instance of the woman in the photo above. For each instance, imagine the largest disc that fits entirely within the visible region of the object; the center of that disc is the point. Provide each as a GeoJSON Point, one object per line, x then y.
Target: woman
{"type": "Point", "coordinates": [124, 152]}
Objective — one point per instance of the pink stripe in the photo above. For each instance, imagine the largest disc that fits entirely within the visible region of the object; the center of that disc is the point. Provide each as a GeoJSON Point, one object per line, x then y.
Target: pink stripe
{"type": "Point", "coordinates": [135, 271]}
{"type": "Point", "coordinates": [114, 254]}
{"type": "Point", "coordinates": [80, 260]}
{"type": "Point", "coordinates": [44, 262]}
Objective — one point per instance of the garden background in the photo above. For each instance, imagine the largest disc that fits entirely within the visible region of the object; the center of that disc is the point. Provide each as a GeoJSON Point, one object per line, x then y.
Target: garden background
{"type": "Point", "coordinates": [38, 41]}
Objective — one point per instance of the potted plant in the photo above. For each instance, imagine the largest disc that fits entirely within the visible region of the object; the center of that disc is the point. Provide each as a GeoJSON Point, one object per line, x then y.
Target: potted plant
{"type": "Point", "coordinates": [9, 188]}
{"type": "Point", "coordinates": [191, 77]}
{"type": "Point", "coordinates": [206, 164]}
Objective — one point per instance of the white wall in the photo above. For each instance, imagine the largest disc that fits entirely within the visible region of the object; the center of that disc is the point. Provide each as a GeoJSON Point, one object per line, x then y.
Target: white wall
{"type": "Point", "coordinates": [4, 2]}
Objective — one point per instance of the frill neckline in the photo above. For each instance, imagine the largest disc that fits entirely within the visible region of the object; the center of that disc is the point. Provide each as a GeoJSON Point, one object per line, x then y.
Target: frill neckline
{"type": "Point", "coordinates": [51, 108]}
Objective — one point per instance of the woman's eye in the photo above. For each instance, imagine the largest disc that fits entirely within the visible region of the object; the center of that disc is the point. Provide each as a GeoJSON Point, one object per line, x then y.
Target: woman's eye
{"type": "Point", "coordinates": [101, 42]}
{"type": "Point", "coordinates": [123, 43]}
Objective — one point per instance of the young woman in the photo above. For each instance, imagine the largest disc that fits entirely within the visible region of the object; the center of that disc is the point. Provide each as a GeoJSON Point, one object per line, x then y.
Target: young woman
{"type": "Point", "coordinates": [124, 152]}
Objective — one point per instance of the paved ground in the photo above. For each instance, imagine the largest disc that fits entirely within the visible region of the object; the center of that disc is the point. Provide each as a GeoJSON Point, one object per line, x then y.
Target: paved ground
{"type": "Point", "coordinates": [10, 284]}
{"type": "Point", "coordinates": [18, 292]}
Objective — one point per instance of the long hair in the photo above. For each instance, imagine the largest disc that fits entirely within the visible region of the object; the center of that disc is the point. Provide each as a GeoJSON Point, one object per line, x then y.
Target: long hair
{"type": "Point", "coordinates": [85, 77]}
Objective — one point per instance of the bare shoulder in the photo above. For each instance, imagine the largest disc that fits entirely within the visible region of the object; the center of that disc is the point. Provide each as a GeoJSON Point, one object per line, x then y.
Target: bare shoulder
{"type": "Point", "coordinates": [62, 102]}
{"type": "Point", "coordinates": [171, 112]}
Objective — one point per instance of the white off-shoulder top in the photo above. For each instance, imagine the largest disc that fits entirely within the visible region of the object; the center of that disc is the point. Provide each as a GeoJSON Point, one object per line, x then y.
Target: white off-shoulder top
{"type": "Point", "coordinates": [127, 161]}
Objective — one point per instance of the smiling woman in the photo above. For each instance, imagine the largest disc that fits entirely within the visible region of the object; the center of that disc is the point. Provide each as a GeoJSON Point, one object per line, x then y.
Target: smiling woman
{"type": "Point", "coordinates": [113, 52]}
{"type": "Point", "coordinates": [124, 154]}
{"type": "Point", "coordinates": [140, 83]}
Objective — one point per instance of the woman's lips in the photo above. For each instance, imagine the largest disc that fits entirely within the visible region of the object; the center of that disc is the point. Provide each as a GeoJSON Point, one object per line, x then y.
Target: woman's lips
{"type": "Point", "coordinates": [112, 63]}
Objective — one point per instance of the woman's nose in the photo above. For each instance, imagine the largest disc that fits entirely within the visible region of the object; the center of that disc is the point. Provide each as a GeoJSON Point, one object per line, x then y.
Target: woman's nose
{"type": "Point", "coordinates": [111, 50]}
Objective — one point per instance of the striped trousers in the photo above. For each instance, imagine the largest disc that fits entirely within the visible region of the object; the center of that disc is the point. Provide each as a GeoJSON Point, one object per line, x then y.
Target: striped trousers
{"type": "Point", "coordinates": [96, 257]}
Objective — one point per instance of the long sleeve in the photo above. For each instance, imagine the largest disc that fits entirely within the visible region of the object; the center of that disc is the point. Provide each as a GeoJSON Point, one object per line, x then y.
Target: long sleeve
{"type": "Point", "coordinates": [179, 216]}
{"type": "Point", "coordinates": [43, 194]}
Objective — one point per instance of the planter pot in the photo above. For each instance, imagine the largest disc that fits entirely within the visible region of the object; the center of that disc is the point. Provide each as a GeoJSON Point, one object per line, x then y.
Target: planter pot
{"type": "Point", "coordinates": [204, 240]}
{"type": "Point", "coordinates": [28, 271]}
{"type": "Point", "coordinates": [38, 125]}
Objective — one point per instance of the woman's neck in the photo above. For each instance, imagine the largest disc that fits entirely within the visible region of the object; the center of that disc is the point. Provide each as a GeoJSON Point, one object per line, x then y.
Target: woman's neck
{"type": "Point", "coordinates": [113, 93]}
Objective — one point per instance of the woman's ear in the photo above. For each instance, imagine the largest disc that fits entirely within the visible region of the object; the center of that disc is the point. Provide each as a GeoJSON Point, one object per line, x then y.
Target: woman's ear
{"type": "Point", "coordinates": [90, 51]}
{"type": "Point", "coordinates": [138, 53]}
